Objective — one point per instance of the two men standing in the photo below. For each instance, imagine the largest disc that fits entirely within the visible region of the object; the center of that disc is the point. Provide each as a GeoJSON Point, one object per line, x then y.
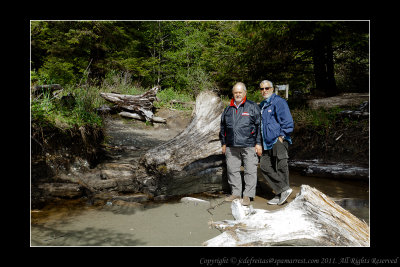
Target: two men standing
{"type": "Point", "coordinates": [248, 131]}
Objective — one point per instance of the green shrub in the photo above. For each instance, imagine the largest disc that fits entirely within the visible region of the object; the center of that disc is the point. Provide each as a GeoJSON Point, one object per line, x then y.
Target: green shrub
{"type": "Point", "coordinates": [55, 70]}
{"type": "Point", "coordinates": [254, 95]}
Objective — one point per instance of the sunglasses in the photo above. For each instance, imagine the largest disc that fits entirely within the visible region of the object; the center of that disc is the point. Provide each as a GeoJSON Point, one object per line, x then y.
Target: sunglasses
{"type": "Point", "coordinates": [265, 88]}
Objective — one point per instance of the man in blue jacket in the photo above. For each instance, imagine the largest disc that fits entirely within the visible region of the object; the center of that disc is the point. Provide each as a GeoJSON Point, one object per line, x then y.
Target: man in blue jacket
{"type": "Point", "coordinates": [276, 126]}
{"type": "Point", "coordinates": [241, 141]}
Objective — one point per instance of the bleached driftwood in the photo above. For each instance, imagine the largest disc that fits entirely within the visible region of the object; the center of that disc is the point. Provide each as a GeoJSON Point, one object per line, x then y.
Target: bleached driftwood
{"type": "Point", "coordinates": [311, 219]}
{"type": "Point", "coordinates": [140, 117]}
{"type": "Point", "coordinates": [198, 141]}
{"type": "Point", "coordinates": [142, 105]}
{"type": "Point", "coordinates": [192, 161]}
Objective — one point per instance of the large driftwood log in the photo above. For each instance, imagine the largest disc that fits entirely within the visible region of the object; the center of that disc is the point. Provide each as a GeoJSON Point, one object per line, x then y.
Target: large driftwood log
{"type": "Point", "coordinates": [311, 219]}
{"type": "Point", "coordinates": [192, 161]}
{"type": "Point", "coordinates": [136, 104]}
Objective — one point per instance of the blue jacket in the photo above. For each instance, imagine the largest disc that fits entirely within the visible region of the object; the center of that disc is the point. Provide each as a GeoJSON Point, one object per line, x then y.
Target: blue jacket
{"type": "Point", "coordinates": [240, 127]}
{"type": "Point", "coordinates": [276, 120]}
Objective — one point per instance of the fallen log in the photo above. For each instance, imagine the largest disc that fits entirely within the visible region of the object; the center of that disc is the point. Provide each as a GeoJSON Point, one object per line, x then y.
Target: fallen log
{"type": "Point", "coordinates": [330, 169]}
{"type": "Point", "coordinates": [140, 117]}
{"type": "Point", "coordinates": [192, 161]}
{"type": "Point", "coordinates": [136, 104]}
{"type": "Point", "coordinates": [348, 99]}
{"type": "Point", "coordinates": [311, 219]}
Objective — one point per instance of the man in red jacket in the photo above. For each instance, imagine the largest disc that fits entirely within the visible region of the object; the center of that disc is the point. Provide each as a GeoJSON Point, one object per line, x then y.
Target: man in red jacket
{"type": "Point", "coordinates": [240, 137]}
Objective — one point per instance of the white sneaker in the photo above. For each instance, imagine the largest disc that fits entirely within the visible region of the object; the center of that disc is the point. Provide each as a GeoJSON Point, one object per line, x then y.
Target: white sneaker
{"type": "Point", "coordinates": [284, 196]}
{"type": "Point", "coordinates": [274, 201]}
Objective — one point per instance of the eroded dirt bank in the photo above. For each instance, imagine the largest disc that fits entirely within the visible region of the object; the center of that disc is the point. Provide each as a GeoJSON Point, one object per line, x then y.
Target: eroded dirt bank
{"type": "Point", "coordinates": [58, 155]}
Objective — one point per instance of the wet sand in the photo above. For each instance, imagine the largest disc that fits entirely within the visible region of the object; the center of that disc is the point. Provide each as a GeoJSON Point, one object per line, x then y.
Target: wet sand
{"type": "Point", "coordinates": [151, 224]}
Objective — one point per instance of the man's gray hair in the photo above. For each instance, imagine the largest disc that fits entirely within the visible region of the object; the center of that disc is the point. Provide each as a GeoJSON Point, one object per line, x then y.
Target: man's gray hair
{"type": "Point", "coordinates": [266, 81]}
{"type": "Point", "coordinates": [241, 85]}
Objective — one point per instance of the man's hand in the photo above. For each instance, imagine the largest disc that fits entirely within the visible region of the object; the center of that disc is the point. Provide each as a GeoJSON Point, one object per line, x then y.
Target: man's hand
{"type": "Point", "coordinates": [258, 150]}
{"type": "Point", "coordinates": [223, 149]}
{"type": "Point", "coordinates": [281, 138]}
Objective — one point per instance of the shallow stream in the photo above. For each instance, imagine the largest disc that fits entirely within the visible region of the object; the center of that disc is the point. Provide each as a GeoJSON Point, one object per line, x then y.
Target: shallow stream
{"type": "Point", "coordinates": [170, 223]}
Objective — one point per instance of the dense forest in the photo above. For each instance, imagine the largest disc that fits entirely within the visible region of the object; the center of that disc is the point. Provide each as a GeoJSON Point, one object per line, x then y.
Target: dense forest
{"type": "Point", "coordinates": [325, 57]}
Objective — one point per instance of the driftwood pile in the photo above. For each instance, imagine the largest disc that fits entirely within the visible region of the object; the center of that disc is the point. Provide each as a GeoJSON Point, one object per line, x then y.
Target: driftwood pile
{"type": "Point", "coordinates": [311, 219]}
{"type": "Point", "coordinates": [138, 107]}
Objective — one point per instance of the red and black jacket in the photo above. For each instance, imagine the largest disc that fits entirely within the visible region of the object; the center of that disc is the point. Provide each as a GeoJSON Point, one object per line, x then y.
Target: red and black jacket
{"type": "Point", "coordinates": [240, 127]}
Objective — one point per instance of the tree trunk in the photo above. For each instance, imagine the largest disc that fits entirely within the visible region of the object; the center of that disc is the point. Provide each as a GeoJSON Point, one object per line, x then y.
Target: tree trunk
{"type": "Point", "coordinates": [311, 219]}
{"type": "Point", "coordinates": [323, 63]}
{"type": "Point", "coordinates": [192, 161]}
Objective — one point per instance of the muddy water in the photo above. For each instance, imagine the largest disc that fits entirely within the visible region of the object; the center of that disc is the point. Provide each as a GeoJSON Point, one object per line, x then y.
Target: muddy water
{"type": "Point", "coordinates": [352, 195]}
{"type": "Point", "coordinates": [172, 223]}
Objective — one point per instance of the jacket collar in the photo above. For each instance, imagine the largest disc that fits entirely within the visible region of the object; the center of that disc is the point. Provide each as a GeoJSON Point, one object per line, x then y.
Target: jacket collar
{"type": "Point", "coordinates": [267, 101]}
{"type": "Point", "coordinates": [241, 103]}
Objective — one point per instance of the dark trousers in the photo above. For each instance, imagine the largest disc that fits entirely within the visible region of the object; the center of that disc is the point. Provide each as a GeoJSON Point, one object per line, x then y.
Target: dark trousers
{"type": "Point", "coordinates": [274, 166]}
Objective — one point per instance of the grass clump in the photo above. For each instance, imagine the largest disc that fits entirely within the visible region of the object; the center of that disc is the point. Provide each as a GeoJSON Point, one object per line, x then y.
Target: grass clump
{"type": "Point", "coordinates": [72, 107]}
{"type": "Point", "coordinates": [325, 120]}
{"type": "Point", "coordinates": [316, 117]}
{"type": "Point", "coordinates": [169, 98]}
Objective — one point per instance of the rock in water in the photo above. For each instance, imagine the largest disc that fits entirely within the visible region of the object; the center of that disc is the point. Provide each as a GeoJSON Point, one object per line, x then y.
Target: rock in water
{"type": "Point", "coordinates": [192, 199]}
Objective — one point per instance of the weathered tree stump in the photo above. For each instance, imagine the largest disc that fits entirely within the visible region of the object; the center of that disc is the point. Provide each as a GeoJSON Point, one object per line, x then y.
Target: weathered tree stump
{"type": "Point", "coordinates": [140, 106]}
{"type": "Point", "coordinates": [192, 161]}
{"type": "Point", "coordinates": [311, 219]}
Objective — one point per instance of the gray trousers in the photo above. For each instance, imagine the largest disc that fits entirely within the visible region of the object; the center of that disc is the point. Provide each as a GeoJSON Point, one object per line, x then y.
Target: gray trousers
{"type": "Point", "coordinates": [274, 166]}
{"type": "Point", "coordinates": [234, 158]}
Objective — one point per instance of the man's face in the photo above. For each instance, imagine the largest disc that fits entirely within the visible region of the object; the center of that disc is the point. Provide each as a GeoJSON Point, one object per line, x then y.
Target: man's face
{"type": "Point", "coordinates": [266, 90]}
{"type": "Point", "coordinates": [238, 94]}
